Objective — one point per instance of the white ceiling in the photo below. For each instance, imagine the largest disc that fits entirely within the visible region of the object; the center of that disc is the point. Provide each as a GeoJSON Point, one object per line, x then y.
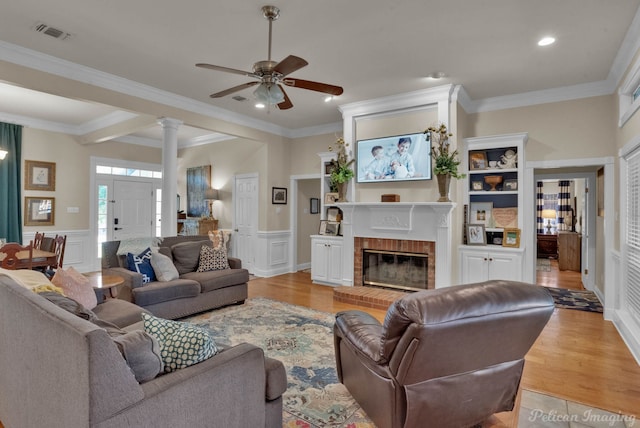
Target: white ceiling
{"type": "Point", "coordinates": [371, 48]}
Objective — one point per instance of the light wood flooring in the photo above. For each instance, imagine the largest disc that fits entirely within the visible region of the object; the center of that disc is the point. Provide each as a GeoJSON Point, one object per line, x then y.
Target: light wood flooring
{"type": "Point", "coordinates": [578, 357]}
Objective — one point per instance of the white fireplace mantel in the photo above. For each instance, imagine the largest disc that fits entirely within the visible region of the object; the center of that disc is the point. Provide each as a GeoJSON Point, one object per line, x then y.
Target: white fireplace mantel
{"type": "Point", "coordinates": [423, 221]}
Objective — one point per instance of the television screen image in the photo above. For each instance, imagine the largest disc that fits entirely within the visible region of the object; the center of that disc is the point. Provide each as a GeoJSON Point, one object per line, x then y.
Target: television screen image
{"type": "Point", "coordinates": [396, 158]}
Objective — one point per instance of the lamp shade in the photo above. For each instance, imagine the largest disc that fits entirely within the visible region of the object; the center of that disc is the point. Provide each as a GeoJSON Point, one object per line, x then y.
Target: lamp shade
{"type": "Point", "coordinates": [3, 153]}
{"type": "Point", "coordinates": [549, 214]}
{"type": "Point", "coordinates": [211, 194]}
{"type": "Point", "coordinates": [269, 93]}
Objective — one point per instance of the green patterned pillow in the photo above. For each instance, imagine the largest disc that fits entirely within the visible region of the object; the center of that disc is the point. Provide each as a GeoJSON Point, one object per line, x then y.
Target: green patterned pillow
{"type": "Point", "coordinates": [182, 344]}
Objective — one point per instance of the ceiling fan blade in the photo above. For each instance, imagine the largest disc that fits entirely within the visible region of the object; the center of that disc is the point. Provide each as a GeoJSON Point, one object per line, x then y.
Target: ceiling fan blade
{"type": "Point", "coordinates": [314, 86]}
{"type": "Point", "coordinates": [289, 65]}
{"type": "Point", "coordinates": [286, 104]}
{"type": "Point", "coordinates": [225, 69]}
{"type": "Point", "coordinates": [234, 89]}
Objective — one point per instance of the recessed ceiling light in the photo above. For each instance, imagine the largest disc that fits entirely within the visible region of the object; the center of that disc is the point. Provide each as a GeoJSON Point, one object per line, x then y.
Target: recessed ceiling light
{"type": "Point", "coordinates": [260, 105]}
{"type": "Point", "coordinates": [328, 98]}
{"type": "Point", "coordinates": [546, 41]}
{"type": "Point", "coordinates": [437, 75]}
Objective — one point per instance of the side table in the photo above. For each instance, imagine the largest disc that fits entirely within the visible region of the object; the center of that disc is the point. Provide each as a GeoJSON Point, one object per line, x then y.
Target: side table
{"type": "Point", "coordinates": [102, 283]}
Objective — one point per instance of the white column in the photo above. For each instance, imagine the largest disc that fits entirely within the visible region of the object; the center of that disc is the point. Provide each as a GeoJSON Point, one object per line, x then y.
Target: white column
{"type": "Point", "coordinates": [169, 214]}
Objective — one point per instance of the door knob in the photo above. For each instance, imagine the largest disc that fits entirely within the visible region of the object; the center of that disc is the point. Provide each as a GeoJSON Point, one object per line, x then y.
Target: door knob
{"type": "Point", "coordinates": [117, 228]}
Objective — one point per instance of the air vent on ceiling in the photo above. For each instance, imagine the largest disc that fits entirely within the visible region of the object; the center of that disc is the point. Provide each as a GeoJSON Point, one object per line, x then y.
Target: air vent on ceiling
{"type": "Point", "coordinates": [43, 28]}
{"type": "Point", "coordinates": [239, 98]}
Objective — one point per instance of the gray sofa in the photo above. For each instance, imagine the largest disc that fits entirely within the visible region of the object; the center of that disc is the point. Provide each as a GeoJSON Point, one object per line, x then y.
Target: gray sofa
{"type": "Point", "coordinates": [191, 293]}
{"type": "Point", "coordinates": [59, 370]}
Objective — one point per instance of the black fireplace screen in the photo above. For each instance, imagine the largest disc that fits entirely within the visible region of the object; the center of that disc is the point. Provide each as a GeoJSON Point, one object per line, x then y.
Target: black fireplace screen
{"type": "Point", "coordinates": [408, 271]}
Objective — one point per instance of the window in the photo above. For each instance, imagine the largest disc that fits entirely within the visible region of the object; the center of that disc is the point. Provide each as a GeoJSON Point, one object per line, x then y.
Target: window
{"type": "Point", "coordinates": [128, 172]}
{"type": "Point", "coordinates": [629, 94]}
{"type": "Point", "coordinates": [103, 215]}
{"type": "Point", "coordinates": [632, 235]}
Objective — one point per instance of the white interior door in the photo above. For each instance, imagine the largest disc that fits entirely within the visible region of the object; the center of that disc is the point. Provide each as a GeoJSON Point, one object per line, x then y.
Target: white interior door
{"type": "Point", "coordinates": [246, 219]}
{"type": "Point", "coordinates": [133, 209]}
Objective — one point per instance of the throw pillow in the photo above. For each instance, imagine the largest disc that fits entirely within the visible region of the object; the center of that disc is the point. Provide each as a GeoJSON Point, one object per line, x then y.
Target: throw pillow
{"type": "Point", "coordinates": [135, 245]}
{"type": "Point", "coordinates": [142, 264]}
{"type": "Point", "coordinates": [187, 254]}
{"type": "Point", "coordinates": [163, 267]}
{"type": "Point", "coordinates": [142, 353]}
{"type": "Point", "coordinates": [212, 259]}
{"type": "Point", "coordinates": [75, 286]}
{"type": "Point", "coordinates": [69, 305]}
{"type": "Point", "coordinates": [182, 344]}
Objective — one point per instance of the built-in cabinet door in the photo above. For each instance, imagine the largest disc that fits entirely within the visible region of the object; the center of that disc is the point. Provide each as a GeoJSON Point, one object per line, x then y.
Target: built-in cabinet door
{"type": "Point", "coordinates": [326, 259]}
{"type": "Point", "coordinates": [482, 264]}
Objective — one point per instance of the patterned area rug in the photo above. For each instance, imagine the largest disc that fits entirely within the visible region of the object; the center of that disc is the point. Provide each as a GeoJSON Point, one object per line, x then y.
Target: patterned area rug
{"type": "Point", "coordinates": [543, 265]}
{"type": "Point", "coordinates": [582, 300]}
{"type": "Point", "coordinates": [303, 340]}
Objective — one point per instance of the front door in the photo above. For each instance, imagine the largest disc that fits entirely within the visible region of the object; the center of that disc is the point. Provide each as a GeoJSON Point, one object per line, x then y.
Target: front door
{"type": "Point", "coordinates": [246, 219]}
{"type": "Point", "coordinates": [132, 210]}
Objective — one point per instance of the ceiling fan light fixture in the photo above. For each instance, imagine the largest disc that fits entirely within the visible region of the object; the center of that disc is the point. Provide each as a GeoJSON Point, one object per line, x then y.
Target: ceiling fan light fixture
{"type": "Point", "coordinates": [546, 41]}
{"type": "Point", "coordinates": [260, 105]}
{"type": "Point", "coordinates": [269, 93]}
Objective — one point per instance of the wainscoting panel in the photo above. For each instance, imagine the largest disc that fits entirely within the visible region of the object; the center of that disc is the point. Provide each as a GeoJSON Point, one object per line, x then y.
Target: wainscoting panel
{"type": "Point", "coordinates": [272, 254]}
{"type": "Point", "coordinates": [78, 252]}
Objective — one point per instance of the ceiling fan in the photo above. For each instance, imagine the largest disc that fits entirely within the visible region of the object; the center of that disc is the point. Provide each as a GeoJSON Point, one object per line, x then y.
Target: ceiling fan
{"type": "Point", "coordinates": [271, 75]}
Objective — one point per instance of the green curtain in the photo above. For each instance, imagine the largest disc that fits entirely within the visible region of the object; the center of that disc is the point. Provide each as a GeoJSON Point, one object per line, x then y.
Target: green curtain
{"type": "Point", "coordinates": [10, 185]}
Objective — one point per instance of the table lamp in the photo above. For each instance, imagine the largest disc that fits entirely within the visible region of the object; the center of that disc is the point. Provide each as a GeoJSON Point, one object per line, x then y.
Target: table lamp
{"type": "Point", "coordinates": [211, 195]}
{"type": "Point", "coordinates": [549, 214]}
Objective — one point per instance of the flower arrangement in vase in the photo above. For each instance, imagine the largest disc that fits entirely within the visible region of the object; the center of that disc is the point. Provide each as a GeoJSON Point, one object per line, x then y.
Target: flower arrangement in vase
{"type": "Point", "coordinates": [340, 168]}
{"type": "Point", "coordinates": [446, 162]}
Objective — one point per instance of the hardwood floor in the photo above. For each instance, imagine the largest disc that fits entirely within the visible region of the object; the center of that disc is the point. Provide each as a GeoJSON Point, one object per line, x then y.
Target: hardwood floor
{"type": "Point", "coordinates": [578, 357]}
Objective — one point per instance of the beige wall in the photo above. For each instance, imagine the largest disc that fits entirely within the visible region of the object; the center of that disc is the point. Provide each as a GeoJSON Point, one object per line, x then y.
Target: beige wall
{"type": "Point", "coordinates": [73, 171]}
{"type": "Point", "coordinates": [307, 223]}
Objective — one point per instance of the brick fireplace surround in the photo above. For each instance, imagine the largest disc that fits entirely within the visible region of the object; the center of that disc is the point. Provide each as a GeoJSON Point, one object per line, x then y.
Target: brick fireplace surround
{"type": "Point", "coordinates": [386, 226]}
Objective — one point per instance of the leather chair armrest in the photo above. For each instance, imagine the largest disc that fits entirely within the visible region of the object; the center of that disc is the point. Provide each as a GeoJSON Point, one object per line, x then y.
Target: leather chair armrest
{"type": "Point", "coordinates": [363, 331]}
{"type": "Point", "coordinates": [235, 263]}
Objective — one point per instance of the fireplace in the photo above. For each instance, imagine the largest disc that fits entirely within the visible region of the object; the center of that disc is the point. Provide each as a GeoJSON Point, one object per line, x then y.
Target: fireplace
{"type": "Point", "coordinates": [394, 263]}
{"type": "Point", "coordinates": [393, 269]}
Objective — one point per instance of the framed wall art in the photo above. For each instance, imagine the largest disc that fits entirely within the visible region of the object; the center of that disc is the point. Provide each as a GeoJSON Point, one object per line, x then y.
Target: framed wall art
{"type": "Point", "coordinates": [198, 181]}
{"type": "Point", "coordinates": [314, 206]}
{"type": "Point", "coordinates": [39, 211]}
{"type": "Point", "coordinates": [278, 195]}
{"type": "Point", "coordinates": [40, 175]}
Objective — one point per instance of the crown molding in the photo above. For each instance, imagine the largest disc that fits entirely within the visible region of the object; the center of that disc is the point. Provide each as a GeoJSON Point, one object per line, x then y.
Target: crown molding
{"type": "Point", "coordinates": [45, 125]}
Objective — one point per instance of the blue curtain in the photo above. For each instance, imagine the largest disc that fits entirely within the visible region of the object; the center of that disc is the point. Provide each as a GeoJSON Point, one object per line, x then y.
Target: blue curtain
{"type": "Point", "coordinates": [564, 203]}
{"type": "Point", "coordinates": [10, 185]}
{"type": "Point", "coordinates": [540, 206]}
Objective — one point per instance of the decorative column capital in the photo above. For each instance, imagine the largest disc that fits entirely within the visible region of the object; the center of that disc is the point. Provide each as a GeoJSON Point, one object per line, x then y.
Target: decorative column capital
{"type": "Point", "coordinates": [167, 122]}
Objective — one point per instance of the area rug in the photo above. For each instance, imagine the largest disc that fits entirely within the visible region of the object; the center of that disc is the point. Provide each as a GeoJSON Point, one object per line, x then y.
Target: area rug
{"type": "Point", "coordinates": [543, 265]}
{"type": "Point", "coordinates": [302, 339]}
{"type": "Point", "coordinates": [582, 300]}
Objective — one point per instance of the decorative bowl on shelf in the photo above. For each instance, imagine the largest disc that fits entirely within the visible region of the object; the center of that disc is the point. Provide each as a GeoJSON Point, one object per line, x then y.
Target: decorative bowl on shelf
{"type": "Point", "coordinates": [493, 181]}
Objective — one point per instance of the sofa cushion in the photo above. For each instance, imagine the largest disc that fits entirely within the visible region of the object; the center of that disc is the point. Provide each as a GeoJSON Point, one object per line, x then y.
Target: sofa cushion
{"type": "Point", "coordinates": [163, 267]}
{"type": "Point", "coordinates": [119, 312]}
{"type": "Point", "coordinates": [76, 286]}
{"type": "Point", "coordinates": [187, 254]}
{"type": "Point", "coordinates": [183, 344]}
{"type": "Point", "coordinates": [216, 279]}
{"type": "Point", "coordinates": [141, 263]}
{"type": "Point", "coordinates": [142, 353]}
{"type": "Point", "coordinates": [212, 259]}
{"type": "Point", "coordinates": [69, 305]}
{"type": "Point", "coordinates": [158, 292]}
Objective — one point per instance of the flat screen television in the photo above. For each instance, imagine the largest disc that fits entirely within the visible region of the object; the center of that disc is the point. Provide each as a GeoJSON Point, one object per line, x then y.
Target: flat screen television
{"type": "Point", "coordinates": [396, 158]}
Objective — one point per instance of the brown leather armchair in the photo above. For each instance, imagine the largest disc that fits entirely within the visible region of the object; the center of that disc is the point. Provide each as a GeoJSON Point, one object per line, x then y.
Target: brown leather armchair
{"type": "Point", "coordinates": [450, 357]}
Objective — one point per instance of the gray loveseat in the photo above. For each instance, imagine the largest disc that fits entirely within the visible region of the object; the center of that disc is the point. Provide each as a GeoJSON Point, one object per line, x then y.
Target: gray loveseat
{"type": "Point", "coordinates": [59, 370]}
{"type": "Point", "coordinates": [191, 293]}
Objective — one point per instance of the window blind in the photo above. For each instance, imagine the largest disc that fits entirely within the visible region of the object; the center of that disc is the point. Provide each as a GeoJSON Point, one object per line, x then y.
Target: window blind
{"type": "Point", "coordinates": [633, 233]}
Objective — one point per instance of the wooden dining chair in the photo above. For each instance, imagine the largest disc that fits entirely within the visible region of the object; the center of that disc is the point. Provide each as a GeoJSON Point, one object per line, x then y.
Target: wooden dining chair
{"type": "Point", "coordinates": [10, 259]}
{"type": "Point", "coordinates": [59, 244]}
{"type": "Point", "coordinates": [37, 240]}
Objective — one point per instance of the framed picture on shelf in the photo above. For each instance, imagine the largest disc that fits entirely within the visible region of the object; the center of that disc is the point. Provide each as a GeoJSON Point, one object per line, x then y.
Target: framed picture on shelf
{"type": "Point", "coordinates": [477, 185]}
{"type": "Point", "coordinates": [314, 205]}
{"type": "Point", "coordinates": [476, 234]}
{"type": "Point", "coordinates": [480, 212]}
{"type": "Point", "coordinates": [511, 238]}
{"type": "Point", "coordinates": [39, 211]}
{"type": "Point", "coordinates": [333, 214]}
{"type": "Point", "coordinates": [510, 184]}
{"type": "Point", "coordinates": [40, 175]}
{"type": "Point", "coordinates": [331, 198]}
{"type": "Point", "coordinates": [505, 217]}
{"type": "Point", "coordinates": [329, 228]}
{"type": "Point", "coordinates": [278, 195]}
{"type": "Point", "coordinates": [328, 166]}
{"type": "Point", "coordinates": [477, 160]}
